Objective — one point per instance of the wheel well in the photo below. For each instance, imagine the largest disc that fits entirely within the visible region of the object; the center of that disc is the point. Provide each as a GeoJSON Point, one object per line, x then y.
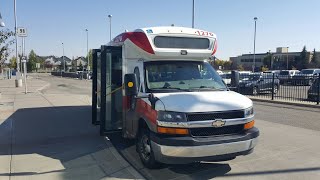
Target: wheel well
{"type": "Point", "coordinates": [142, 124]}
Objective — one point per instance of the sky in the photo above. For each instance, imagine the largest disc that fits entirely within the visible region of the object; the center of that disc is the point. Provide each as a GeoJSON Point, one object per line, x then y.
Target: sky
{"type": "Point", "coordinates": [281, 23]}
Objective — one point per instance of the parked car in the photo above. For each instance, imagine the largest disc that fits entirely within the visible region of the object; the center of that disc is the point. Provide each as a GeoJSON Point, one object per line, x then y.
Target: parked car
{"type": "Point", "coordinates": [220, 72]}
{"type": "Point", "coordinates": [243, 75]}
{"type": "Point", "coordinates": [277, 72]}
{"type": "Point", "coordinates": [305, 77]}
{"type": "Point", "coordinates": [257, 83]}
{"type": "Point", "coordinates": [285, 76]}
{"type": "Point", "coordinates": [313, 90]}
{"type": "Point", "coordinates": [226, 77]}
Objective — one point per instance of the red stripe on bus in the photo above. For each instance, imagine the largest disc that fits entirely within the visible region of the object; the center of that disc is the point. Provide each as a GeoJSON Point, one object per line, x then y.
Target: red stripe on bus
{"type": "Point", "coordinates": [145, 109]}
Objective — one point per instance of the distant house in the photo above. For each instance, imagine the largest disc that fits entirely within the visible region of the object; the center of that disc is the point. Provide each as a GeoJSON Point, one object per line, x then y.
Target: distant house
{"type": "Point", "coordinates": [80, 61]}
{"type": "Point", "coordinates": [54, 63]}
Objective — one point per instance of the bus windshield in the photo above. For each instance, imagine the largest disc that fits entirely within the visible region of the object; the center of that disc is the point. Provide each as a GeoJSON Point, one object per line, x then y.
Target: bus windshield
{"type": "Point", "coordinates": [182, 76]}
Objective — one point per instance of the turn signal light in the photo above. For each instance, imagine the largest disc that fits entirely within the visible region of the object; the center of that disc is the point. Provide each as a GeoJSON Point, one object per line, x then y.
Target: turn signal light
{"type": "Point", "coordinates": [249, 125]}
{"type": "Point", "coordinates": [180, 131]}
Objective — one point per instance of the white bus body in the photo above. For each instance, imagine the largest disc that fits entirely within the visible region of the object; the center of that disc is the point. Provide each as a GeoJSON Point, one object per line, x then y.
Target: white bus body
{"type": "Point", "coordinates": [182, 111]}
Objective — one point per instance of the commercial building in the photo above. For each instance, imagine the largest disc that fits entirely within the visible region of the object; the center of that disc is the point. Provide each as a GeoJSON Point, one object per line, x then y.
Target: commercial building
{"type": "Point", "coordinates": [281, 59]}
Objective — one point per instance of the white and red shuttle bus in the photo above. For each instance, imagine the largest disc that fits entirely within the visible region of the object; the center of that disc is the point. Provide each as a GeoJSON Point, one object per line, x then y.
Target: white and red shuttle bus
{"type": "Point", "coordinates": [156, 86]}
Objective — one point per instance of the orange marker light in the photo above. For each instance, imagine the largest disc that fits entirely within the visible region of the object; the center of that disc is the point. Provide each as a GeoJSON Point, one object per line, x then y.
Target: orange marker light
{"type": "Point", "coordinates": [130, 84]}
{"type": "Point", "coordinates": [249, 125]}
{"type": "Point", "coordinates": [180, 131]}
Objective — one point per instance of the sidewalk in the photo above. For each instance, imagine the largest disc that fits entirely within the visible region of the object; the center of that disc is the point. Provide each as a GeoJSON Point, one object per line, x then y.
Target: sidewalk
{"type": "Point", "coordinates": [46, 136]}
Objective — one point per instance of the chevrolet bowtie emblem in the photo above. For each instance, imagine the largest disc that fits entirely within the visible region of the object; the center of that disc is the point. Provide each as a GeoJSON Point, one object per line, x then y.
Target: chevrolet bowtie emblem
{"type": "Point", "coordinates": [218, 123]}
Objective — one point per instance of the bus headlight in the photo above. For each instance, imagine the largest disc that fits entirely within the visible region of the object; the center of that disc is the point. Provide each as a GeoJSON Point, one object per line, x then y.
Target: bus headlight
{"type": "Point", "coordinates": [168, 116]}
{"type": "Point", "coordinates": [248, 112]}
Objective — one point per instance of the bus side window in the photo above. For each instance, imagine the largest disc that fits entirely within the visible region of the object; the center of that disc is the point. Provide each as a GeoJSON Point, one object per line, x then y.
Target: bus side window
{"type": "Point", "coordinates": [137, 72]}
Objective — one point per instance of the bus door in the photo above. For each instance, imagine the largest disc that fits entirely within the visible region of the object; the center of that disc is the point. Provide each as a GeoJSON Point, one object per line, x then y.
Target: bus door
{"type": "Point", "coordinates": [95, 90]}
{"type": "Point", "coordinates": [111, 89]}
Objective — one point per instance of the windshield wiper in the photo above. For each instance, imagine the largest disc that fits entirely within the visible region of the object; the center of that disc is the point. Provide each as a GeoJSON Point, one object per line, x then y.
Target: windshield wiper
{"type": "Point", "coordinates": [171, 88]}
{"type": "Point", "coordinates": [209, 88]}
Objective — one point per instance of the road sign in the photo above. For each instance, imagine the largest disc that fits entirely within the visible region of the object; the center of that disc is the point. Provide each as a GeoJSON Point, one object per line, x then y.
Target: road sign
{"type": "Point", "coordinates": [23, 59]}
{"type": "Point", "coordinates": [22, 32]}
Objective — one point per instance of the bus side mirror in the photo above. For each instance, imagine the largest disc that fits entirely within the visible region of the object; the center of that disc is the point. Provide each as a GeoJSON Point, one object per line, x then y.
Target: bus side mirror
{"type": "Point", "coordinates": [131, 86]}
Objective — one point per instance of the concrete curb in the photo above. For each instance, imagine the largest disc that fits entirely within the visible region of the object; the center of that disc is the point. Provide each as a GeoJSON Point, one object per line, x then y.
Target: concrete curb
{"type": "Point", "coordinates": [285, 103]}
{"type": "Point", "coordinates": [122, 161]}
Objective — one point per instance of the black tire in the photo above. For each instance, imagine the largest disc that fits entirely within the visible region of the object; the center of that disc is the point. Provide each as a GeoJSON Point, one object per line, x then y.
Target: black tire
{"type": "Point", "coordinates": [255, 91]}
{"type": "Point", "coordinates": [145, 150]}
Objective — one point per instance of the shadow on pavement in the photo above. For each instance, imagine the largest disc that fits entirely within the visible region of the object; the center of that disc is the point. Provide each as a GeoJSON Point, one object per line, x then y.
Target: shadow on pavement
{"type": "Point", "coordinates": [194, 171]}
{"type": "Point", "coordinates": [56, 143]}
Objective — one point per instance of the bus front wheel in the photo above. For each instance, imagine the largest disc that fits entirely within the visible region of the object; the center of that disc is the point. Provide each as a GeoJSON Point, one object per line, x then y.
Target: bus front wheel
{"type": "Point", "coordinates": [145, 150]}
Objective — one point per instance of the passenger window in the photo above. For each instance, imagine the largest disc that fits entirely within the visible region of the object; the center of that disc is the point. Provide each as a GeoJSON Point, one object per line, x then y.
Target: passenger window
{"type": "Point", "coordinates": [137, 72]}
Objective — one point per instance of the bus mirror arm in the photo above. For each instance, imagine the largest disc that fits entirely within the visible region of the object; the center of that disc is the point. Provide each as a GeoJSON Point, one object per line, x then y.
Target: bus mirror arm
{"type": "Point", "coordinates": [152, 100]}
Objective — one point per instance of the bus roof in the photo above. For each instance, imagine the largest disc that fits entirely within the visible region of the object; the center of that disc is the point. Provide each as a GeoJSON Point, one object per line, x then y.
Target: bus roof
{"type": "Point", "coordinates": [169, 42]}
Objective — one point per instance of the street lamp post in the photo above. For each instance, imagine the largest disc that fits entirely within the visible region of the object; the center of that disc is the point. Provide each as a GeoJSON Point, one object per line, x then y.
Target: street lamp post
{"type": "Point", "coordinates": [254, 44]}
{"type": "Point", "coordinates": [1, 22]}
{"type": "Point", "coordinates": [88, 58]}
{"type": "Point", "coordinates": [64, 62]}
{"type": "Point", "coordinates": [192, 13]}
{"type": "Point", "coordinates": [110, 17]}
{"type": "Point", "coordinates": [287, 58]}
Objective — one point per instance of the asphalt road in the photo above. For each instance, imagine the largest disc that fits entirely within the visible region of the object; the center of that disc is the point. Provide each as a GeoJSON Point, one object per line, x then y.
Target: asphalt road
{"type": "Point", "coordinates": [65, 85]}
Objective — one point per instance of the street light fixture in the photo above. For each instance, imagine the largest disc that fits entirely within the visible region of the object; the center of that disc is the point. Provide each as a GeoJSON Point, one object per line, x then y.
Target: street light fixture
{"type": "Point", "coordinates": [254, 44]}
{"type": "Point", "coordinates": [110, 17]}
{"type": "Point", "coordinates": [1, 22]}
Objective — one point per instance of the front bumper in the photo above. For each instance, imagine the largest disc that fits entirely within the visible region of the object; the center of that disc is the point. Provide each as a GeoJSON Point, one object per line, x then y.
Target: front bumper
{"type": "Point", "coordinates": [178, 150]}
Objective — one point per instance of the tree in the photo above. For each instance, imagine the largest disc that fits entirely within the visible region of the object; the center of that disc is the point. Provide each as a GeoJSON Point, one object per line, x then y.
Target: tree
{"type": "Point", "coordinates": [32, 60]}
{"type": "Point", "coordinates": [227, 65]}
{"type": "Point", "coordinates": [240, 67]}
{"type": "Point", "coordinates": [267, 60]}
{"type": "Point", "coordinates": [315, 60]}
{"type": "Point", "coordinates": [302, 61]}
{"type": "Point", "coordinates": [264, 68]}
{"type": "Point", "coordinates": [90, 58]}
{"type": "Point", "coordinates": [13, 62]}
{"type": "Point", "coordinates": [6, 39]}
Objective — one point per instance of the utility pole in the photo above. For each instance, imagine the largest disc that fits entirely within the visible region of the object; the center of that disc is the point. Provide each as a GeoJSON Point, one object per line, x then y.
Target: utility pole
{"type": "Point", "coordinates": [287, 58]}
{"type": "Point", "coordinates": [254, 44]}
{"type": "Point", "coordinates": [24, 63]}
{"type": "Point", "coordinates": [18, 80]}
